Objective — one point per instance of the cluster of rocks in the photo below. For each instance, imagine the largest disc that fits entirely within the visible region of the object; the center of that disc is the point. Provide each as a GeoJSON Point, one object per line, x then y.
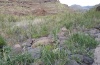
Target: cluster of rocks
{"type": "Point", "coordinates": [96, 34]}
{"type": "Point", "coordinates": [33, 46]}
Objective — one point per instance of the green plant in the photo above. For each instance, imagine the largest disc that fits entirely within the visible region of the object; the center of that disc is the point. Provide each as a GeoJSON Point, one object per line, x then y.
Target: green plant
{"type": "Point", "coordinates": [2, 42]}
{"type": "Point", "coordinates": [81, 44]}
{"type": "Point", "coordinates": [84, 40]}
{"type": "Point", "coordinates": [49, 56]}
{"type": "Point", "coordinates": [7, 58]}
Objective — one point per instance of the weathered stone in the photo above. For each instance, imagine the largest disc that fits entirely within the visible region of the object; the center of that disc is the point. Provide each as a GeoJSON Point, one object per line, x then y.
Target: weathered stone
{"type": "Point", "coordinates": [98, 35]}
{"type": "Point", "coordinates": [35, 53]}
{"type": "Point", "coordinates": [16, 49]}
{"type": "Point", "coordinates": [94, 31]}
{"type": "Point", "coordinates": [63, 29]}
{"type": "Point", "coordinates": [88, 60]}
{"type": "Point", "coordinates": [42, 41]}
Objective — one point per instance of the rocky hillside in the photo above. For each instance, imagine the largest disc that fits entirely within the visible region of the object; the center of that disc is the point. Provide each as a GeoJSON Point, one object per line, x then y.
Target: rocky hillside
{"type": "Point", "coordinates": [31, 7]}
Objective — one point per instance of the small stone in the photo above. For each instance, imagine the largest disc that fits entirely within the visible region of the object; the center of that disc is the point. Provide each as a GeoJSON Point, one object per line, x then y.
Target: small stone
{"type": "Point", "coordinates": [63, 29]}
{"type": "Point", "coordinates": [16, 49]}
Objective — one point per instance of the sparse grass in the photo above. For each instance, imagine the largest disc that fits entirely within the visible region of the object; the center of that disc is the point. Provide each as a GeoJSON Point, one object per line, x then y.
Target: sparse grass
{"type": "Point", "coordinates": [78, 43]}
{"type": "Point", "coordinates": [81, 44]}
{"type": "Point", "coordinates": [54, 57]}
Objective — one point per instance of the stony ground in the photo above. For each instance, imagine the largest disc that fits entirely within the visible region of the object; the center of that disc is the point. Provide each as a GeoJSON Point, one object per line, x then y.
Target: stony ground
{"type": "Point", "coordinates": [33, 46]}
{"type": "Point", "coordinates": [97, 56]}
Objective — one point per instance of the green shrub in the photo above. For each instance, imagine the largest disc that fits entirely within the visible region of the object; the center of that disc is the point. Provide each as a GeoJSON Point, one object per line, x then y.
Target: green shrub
{"type": "Point", "coordinates": [2, 42]}
{"type": "Point", "coordinates": [84, 40]}
{"type": "Point", "coordinates": [81, 44]}
{"type": "Point", "coordinates": [7, 58]}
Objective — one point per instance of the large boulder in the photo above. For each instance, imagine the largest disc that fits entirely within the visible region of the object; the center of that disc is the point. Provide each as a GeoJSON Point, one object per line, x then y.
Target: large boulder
{"type": "Point", "coordinates": [43, 41]}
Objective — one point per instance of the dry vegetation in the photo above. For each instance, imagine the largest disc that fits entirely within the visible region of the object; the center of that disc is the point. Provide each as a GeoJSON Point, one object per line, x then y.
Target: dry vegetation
{"type": "Point", "coordinates": [21, 21]}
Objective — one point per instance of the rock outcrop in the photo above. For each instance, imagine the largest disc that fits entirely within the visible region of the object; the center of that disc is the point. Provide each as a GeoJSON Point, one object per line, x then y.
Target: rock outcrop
{"type": "Point", "coordinates": [98, 8]}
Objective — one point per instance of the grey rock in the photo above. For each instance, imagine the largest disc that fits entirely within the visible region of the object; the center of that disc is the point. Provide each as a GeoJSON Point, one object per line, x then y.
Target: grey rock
{"type": "Point", "coordinates": [98, 35]}
{"type": "Point", "coordinates": [35, 53]}
{"type": "Point", "coordinates": [94, 31]}
{"type": "Point", "coordinates": [97, 39]}
{"type": "Point", "coordinates": [62, 38]}
{"type": "Point", "coordinates": [72, 62]}
{"type": "Point", "coordinates": [88, 60]}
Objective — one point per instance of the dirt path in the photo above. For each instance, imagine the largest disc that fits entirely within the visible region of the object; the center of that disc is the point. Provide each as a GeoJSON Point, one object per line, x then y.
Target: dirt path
{"type": "Point", "coordinates": [97, 56]}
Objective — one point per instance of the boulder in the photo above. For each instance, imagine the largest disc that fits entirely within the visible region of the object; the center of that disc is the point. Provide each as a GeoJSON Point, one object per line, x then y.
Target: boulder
{"type": "Point", "coordinates": [43, 41]}
{"type": "Point", "coordinates": [35, 53]}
